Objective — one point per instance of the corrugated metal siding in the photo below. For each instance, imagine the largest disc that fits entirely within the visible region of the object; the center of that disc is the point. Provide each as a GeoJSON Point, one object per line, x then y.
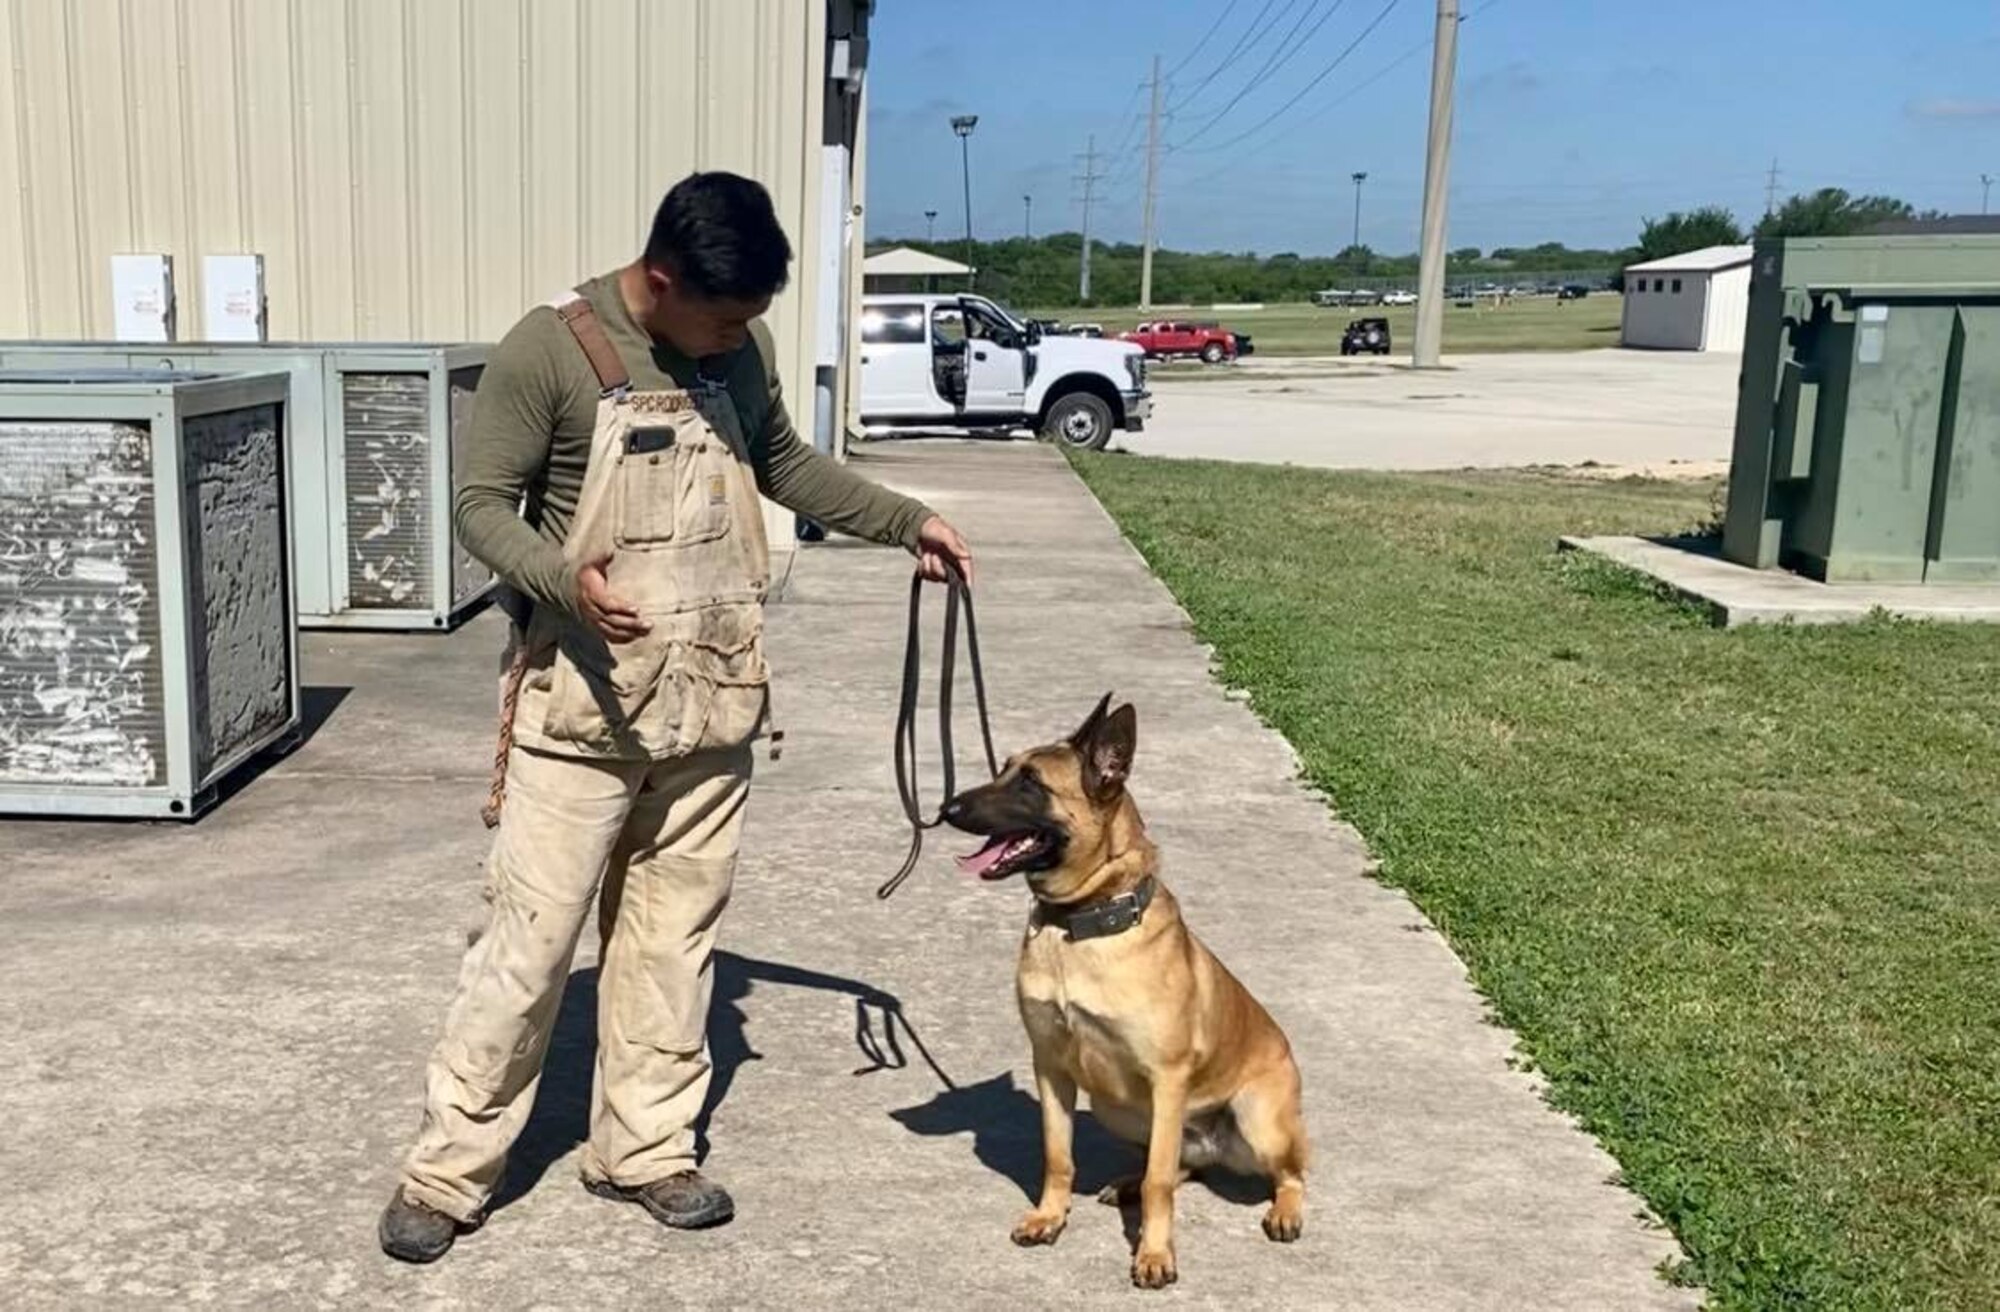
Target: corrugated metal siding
{"type": "Point", "coordinates": [236, 578]}
{"type": "Point", "coordinates": [386, 423]}
{"type": "Point", "coordinates": [409, 169]}
{"type": "Point", "coordinates": [80, 690]}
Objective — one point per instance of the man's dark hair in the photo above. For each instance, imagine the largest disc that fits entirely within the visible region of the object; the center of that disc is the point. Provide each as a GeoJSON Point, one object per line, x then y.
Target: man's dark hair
{"type": "Point", "coordinates": [719, 232]}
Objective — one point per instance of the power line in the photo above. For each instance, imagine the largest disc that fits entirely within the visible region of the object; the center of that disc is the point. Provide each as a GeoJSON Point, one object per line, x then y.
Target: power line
{"type": "Point", "coordinates": [1314, 116]}
{"type": "Point", "coordinates": [1250, 36]}
{"type": "Point", "coordinates": [1305, 90]}
{"type": "Point", "coordinates": [1286, 49]}
{"type": "Point", "coordinates": [1213, 28]}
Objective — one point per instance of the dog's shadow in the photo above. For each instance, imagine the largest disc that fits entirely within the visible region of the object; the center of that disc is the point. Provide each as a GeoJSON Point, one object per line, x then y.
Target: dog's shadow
{"type": "Point", "coordinates": [1005, 1123]}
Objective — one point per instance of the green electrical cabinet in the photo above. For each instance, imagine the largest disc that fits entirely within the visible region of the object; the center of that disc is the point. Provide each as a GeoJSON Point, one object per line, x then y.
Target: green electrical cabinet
{"type": "Point", "coordinates": [1867, 442]}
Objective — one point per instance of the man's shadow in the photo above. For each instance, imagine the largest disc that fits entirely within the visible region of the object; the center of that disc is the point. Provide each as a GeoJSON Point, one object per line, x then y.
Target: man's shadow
{"type": "Point", "coordinates": [561, 1116]}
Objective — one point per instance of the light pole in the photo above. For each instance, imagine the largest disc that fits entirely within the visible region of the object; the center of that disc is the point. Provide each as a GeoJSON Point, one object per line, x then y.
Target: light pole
{"type": "Point", "coordinates": [930, 226]}
{"type": "Point", "coordinates": [1985, 190]}
{"type": "Point", "coordinates": [1359, 178]}
{"type": "Point", "coordinates": [1027, 218]}
{"type": "Point", "coordinates": [963, 124]}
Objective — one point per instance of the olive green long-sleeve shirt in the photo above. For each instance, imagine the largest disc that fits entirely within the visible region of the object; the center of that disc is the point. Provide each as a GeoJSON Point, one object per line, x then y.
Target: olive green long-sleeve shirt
{"type": "Point", "coordinates": [536, 409]}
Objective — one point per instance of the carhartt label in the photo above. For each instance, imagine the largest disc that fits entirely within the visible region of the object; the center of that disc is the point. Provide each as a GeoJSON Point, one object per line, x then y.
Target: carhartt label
{"type": "Point", "coordinates": [718, 491]}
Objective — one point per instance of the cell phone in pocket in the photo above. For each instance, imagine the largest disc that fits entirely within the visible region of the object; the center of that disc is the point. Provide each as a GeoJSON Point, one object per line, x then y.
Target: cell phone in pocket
{"type": "Point", "coordinates": [642, 440]}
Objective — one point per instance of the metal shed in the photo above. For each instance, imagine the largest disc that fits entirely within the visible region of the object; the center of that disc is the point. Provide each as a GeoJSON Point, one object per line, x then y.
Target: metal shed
{"type": "Point", "coordinates": [1692, 302]}
{"type": "Point", "coordinates": [419, 171]}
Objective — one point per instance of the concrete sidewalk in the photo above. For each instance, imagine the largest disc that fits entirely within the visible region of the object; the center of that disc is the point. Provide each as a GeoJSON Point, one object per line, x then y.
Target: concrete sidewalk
{"type": "Point", "coordinates": [215, 1035]}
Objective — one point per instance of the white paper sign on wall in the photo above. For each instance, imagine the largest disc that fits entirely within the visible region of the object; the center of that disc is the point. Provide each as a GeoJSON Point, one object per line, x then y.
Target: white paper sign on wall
{"type": "Point", "coordinates": [232, 298]}
{"type": "Point", "coordinates": [142, 298]}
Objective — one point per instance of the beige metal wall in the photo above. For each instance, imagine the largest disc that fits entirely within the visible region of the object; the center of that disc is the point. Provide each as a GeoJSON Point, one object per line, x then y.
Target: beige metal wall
{"type": "Point", "coordinates": [409, 169]}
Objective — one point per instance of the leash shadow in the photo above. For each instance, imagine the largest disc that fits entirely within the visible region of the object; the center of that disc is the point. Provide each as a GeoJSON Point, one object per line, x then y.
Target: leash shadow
{"type": "Point", "coordinates": [561, 1117]}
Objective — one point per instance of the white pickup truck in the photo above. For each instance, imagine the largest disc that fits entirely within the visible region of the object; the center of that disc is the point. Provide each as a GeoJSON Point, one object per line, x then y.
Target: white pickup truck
{"type": "Point", "coordinates": [941, 360]}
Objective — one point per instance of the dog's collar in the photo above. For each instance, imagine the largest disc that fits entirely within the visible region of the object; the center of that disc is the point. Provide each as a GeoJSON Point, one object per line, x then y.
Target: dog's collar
{"type": "Point", "coordinates": [1114, 915]}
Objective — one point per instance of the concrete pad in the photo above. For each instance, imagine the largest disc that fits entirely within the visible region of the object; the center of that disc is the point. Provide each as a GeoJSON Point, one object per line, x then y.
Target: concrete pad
{"type": "Point", "coordinates": [1617, 408]}
{"type": "Point", "coordinates": [215, 1033]}
{"type": "Point", "coordinates": [1737, 594]}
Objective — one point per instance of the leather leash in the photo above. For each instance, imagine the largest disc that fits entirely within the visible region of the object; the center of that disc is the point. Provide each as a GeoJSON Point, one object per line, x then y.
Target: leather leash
{"type": "Point", "coordinates": [957, 594]}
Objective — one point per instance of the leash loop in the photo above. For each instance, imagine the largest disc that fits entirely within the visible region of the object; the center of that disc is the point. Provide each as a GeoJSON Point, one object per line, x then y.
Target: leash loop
{"type": "Point", "coordinates": [957, 594]}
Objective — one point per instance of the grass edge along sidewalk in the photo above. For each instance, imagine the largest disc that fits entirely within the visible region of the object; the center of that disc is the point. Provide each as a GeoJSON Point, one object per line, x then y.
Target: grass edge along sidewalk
{"type": "Point", "coordinates": [1737, 891]}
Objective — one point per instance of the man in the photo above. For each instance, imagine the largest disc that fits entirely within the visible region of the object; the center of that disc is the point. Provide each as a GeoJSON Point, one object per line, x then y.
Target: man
{"type": "Point", "coordinates": [639, 417]}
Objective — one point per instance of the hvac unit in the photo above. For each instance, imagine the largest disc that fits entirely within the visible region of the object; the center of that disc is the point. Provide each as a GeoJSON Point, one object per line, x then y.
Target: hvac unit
{"type": "Point", "coordinates": [148, 645]}
{"type": "Point", "coordinates": [377, 439]}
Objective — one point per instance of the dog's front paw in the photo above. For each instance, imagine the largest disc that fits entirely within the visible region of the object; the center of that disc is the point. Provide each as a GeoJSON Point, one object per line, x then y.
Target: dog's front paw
{"type": "Point", "coordinates": [1154, 1269]}
{"type": "Point", "coordinates": [1038, 1227]}
{"type": "Point", "coordinates": [1285, 1221]}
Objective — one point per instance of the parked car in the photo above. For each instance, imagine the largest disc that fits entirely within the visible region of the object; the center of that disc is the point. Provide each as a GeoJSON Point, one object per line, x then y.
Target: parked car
{"type": "Point", "coordinates": [1083, 330]}
{"type": "Point", "coordinates": [1572, 291]}
{"type": "Point", "coordinates": [949, 361]}
{"type": "Point", "coordinates": [1399, 297]}
{"type": "Point", "coordinates": [1166, 339]}
{"type": "Point", "coordinates": [1365, 336]}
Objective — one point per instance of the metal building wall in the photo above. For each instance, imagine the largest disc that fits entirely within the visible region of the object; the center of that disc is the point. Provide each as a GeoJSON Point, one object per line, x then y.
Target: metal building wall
{"type": "Point", "coordinates": [409, 169]}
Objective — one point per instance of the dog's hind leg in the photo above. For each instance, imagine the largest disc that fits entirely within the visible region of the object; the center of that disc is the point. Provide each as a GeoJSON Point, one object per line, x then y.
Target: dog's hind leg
{"type": "Point", "coordinates": [1267, 1116]}
{"type": "Point", "coordinates": [1044, 1224]}
{"type": "Point", "coordinates": [1124, 1191]}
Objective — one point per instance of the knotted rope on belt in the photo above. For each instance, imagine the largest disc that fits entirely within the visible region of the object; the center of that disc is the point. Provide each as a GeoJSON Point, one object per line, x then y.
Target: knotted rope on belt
{"type": "Point", "coordinates": [510, 698]}
{"type": "Point", "coordinates": [957, 593]}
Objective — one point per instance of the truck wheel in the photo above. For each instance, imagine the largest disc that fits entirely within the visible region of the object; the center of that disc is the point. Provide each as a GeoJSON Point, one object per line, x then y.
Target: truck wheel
{"type": "Point", "coordinates": [1212, 353]}
{"type": "Point", "coordinates": [1080, 420]}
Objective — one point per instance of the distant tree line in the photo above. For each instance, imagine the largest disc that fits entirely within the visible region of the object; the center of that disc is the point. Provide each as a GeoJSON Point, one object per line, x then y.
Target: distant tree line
{"type": "Point", "coordinates": [1043, 272]}
{"type": "Point", "coordinates": [1828, 212]}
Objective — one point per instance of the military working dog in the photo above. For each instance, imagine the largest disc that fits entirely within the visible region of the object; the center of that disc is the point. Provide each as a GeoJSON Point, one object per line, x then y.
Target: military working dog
{"type": "Point", "coordinates": [1121, 1000]}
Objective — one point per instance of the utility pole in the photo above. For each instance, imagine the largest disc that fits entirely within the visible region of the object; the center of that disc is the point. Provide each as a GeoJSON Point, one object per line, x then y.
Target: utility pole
{"type": "Point", "coordinates": [1027, 218]}
{"type": "Point", "coordinates": [930, 226]}
{"type": "Point", "coordinates": [1437, 171]}
{"type": "Point", "coordinates": [1090, 177]}
{"type": "Point", "coordinates": [962, 124]}
{"type": "Point", "coordinates": [1771, 188]}
{"type": "Point", "coordinates": [1152, 188]}
{"type": "Point", "coordinates": [1985, 190]}
{"type": "Point", "coordinates": [1359, 178]}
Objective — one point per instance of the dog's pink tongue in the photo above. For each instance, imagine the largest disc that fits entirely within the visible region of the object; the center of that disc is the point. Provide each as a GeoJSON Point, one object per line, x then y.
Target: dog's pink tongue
{"type": "Point", "coordinates": [985, 858]}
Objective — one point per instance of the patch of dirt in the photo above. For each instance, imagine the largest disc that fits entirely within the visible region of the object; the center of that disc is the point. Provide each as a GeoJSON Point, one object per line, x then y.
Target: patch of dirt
{"type": "Point", "coordinates": [1688, 471]}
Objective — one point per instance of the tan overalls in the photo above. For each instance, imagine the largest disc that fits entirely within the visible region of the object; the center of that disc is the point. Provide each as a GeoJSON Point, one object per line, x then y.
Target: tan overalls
{"type": "Point", "coordinates": [629, 766]}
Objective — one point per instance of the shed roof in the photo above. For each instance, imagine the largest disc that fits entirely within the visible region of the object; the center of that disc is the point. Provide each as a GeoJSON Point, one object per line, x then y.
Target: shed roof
{"type": "Point", "coordinates": [903, 262]}
{"type": "Point", "coordinates": [1708, 259]}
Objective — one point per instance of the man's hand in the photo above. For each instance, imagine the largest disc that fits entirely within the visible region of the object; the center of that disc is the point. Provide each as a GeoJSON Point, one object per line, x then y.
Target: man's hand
{"type": "Point", "coordinates": [938, 542]}
{"type": "Point", "coordinates": [612, 616]}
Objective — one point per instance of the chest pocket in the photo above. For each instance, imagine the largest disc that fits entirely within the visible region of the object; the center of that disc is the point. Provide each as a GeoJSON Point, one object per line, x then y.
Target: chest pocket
{"type": "Point", "coordinates": [672, 487]}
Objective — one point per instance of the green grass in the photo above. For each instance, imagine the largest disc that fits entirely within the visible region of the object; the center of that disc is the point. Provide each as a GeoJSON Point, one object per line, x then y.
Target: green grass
{"type": "Point", "coordinates": [1531, 324]}
{"type": "Point", "coordinates": [1739, 892]}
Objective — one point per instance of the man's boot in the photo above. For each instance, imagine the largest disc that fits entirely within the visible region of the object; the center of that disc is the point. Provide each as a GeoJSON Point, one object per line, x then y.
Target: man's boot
{"type": "Point", "coordinates": [685, 1200]}
{"type": "Point", "coordinates": [412, 1232]}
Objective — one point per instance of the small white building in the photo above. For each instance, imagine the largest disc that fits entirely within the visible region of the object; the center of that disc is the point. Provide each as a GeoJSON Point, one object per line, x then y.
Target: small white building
{"type": "Point", "coordinates": [1692, 302]}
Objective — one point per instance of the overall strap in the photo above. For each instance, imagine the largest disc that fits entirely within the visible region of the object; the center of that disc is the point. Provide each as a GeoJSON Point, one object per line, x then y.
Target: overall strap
{"type": "Point", "coordinates": [583, 324]}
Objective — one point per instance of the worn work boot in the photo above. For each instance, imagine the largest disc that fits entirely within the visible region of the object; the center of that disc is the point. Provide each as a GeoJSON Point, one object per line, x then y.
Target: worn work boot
{"type": "Point", "coordinates": [685, 1200]}
{"type": "Point", "coordinates": [413, 1232]}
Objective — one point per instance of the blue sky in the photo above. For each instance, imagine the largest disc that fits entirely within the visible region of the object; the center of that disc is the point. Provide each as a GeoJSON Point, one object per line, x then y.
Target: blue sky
{"type": "Point", "coordinates": [1575, 118]}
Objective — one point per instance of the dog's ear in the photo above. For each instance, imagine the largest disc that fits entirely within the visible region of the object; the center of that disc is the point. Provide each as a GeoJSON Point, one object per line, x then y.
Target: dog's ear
{"type": "Point", "coordinates": [1090, 726]}
{"type": "Point", "coordinates": [1107, 752]}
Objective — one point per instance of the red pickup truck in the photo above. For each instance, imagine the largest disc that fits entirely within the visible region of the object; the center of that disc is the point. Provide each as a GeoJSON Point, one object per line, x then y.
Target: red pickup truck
{"type": "Point", "coordinates": [1167, 338]}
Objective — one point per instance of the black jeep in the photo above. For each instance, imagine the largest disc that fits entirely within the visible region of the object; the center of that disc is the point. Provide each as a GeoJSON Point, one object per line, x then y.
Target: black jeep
{"type": "Point", "coordinates": [1365, 336]}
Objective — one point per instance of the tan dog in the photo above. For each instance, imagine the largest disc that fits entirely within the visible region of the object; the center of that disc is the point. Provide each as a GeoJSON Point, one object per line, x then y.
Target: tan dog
{"type": "Point", "coordinates": [1121, 999]}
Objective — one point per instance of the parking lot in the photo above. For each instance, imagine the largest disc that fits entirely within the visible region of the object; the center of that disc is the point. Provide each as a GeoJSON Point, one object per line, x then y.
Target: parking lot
{"type": "Point", "coordinates": [1653, 411]}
